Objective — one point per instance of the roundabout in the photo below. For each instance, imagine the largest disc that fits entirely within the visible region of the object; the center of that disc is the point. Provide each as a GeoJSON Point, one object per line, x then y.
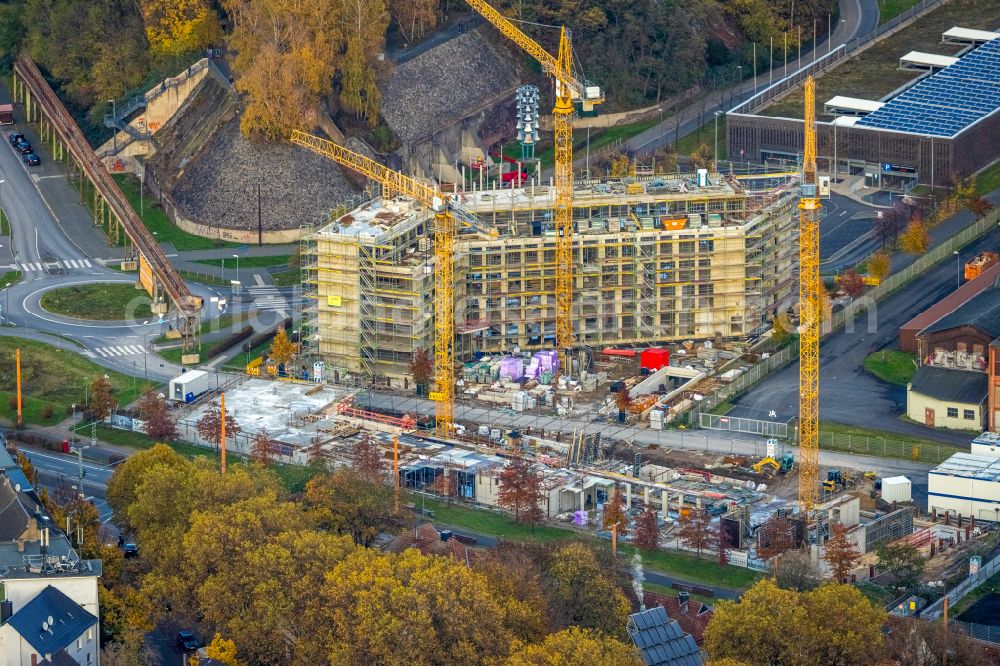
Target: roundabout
{"type": "Point", "coordinates": [98, 301]}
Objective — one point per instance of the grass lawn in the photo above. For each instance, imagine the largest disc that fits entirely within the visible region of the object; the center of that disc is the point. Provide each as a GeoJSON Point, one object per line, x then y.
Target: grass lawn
{"type": "Point", "coordinates": [293, 477]}
{"type": "Point", "coordinates": [722, 408]}
{"type": "Point", "coordinates": [689, 567]}
{"type": "Point", "coordinates": [222, 323]}
{"type": "Point", "coordinates": [889, 9]}
{"type": "Point", "coordinates": [172, 355]}
{"type": "Point", "coordinates": [288, 278]}
{"type": "Point", "coordinates": [991, 585]}
{"type": "Point", "coordinates": [4, 223]}
{"type": "Point", "coordinates": [159, 224]}
{"type": "Point", "coordinates": [883, 444]}
{"type": "Point", "coordinates": [205, 278]}
{"type": "Point", "coordinates": [988, 180]}
{"type": "Point", "coordinates": [671, 592]}
{"type": "Point", "coordinates": [10, 277]}
{"type": "Point", "coordinates": [102, 301]}
{"type": "Point", "coordinates": [704, 135]}
{"type": "Point", "coordinates": [494, 523]}
{"type": "Point", "coordinates": [250, 262]}
{"type": "Point", "coordinates": [875, 72]}
{"type": "Point", "coordinates": [599, 139]}
{"type": "Point", "coordinates": [56, 378]}
{"type": "Point", "coordinates": [891, 366]}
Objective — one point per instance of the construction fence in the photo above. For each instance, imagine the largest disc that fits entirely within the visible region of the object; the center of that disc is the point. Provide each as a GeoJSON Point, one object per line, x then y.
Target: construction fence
{"type": "Point", "coordinates": [832, 57]}
{"type": "Point", "coordinates": [881, 447]}
{"type": "Point", "coordinates": [741, 424]}
{"type": "Point", "coordinates": [945, 250]}
{"type": "Point", "coordinates": [744, 382]}
{"type": "Point", "coordinates": [936, 610]}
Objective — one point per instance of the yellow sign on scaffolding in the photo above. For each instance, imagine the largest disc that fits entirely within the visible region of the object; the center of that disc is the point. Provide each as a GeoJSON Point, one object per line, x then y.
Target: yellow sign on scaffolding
{"type": "Point", "coordinates": [145, 274]}
{"type": "Point", "coordinates": [436, 396]}
{"type": "Point", "coordinates": [333, 301]}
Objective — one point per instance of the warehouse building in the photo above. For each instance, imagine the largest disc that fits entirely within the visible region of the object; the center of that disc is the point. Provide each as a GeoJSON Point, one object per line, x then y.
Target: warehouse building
{"type": "Point", "coordinates": [945, 122]}
{"type": "Point", "coordinates": [657, 261]}
{"type": "Point", "coordinates": [968, 484]}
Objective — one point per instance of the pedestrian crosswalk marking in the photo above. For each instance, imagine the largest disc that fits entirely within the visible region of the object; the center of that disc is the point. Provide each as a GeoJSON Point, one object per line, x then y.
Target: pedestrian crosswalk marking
{"type": "Point", "coordinates": [119, 350]}
{"type": "Point", "coordinates": [38, 266]}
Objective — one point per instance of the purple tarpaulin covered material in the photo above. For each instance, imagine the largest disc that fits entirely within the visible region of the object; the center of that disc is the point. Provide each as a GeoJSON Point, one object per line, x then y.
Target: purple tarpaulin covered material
{"type": "Point", "coordinates": [543, 361]}
{"type": "Point", "coordinates": [512, 367]}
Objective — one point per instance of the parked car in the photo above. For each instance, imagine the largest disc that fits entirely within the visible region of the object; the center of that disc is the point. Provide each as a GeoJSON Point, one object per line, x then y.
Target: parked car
{"type": "Point", "coordinates": [15, 138]}
{"type": "Point", "coordinates": [23, 147]}
{"type": "Point", "coordinates": [31, 159]}
{"type": "Point", "coordinates": [131, 550]}
{"type": "Point", "coordinates": [186, 641]}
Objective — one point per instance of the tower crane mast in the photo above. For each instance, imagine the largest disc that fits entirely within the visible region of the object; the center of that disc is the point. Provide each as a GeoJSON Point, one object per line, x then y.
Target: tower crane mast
{"type": "Point", "coordinates": [447, 214]}
{"type": "Point", "coordinates": [569, 88]}
{"type": "Point", "coordinates": [810, 312]}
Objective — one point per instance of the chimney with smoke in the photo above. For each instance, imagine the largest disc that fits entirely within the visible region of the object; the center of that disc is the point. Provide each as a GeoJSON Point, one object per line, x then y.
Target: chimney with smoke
{"type": "Point", "coordinates": [638, 576]}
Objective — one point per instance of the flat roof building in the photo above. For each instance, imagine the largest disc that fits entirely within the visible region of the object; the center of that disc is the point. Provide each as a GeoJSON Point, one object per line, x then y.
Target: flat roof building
{"type": "Point", "coordinates": [664, 259]}
{"type": "Point", "coordinates": [944, 122]}
{"type": "Point", "coordinates": [966, 485]}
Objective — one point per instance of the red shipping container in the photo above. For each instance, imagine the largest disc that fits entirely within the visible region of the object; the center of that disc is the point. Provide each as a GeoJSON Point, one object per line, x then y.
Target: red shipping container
{"type": "Point", "coordinates": [655, 358]}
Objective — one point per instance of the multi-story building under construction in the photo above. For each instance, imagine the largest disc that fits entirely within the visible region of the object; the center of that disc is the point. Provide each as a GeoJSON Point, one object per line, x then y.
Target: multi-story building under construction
{"type": "Point", "coordinates": [657, 260]}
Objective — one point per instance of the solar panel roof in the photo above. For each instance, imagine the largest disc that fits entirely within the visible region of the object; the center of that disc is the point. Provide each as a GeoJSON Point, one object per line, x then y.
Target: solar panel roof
{"type": "Point", "coordinates": [946, 102]}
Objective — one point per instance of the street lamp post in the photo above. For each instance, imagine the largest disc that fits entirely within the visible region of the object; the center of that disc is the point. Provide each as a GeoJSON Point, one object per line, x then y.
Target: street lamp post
{"type": "Point", "coordinates": [238, 267]}
{"type": "Point", "coordinates": [958, 269]}
{"type": "Point", "coordinates": [716, 154]}
{"type": "Point", "coordinates": [114, 128]}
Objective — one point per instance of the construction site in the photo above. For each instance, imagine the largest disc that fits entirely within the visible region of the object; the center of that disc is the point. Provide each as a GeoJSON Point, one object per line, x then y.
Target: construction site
{"type": "Point", "coordinates": [575, 321]}
{"type": "Point", "coordinates": [655, 260]}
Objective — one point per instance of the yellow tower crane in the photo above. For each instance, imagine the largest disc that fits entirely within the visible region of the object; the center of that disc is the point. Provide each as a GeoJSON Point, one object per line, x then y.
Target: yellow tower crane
{"type": "Point", "coordinates": [569, 88]}
{"type": "Point", "coordinates": [445, 229]}
{"type": "Point", "coordinates": [810, 313]}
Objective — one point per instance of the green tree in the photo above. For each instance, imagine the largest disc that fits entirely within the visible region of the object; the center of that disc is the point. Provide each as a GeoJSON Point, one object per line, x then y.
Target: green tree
{"type": "Point", "coordinates": [521, 491]}
{"type": "Point", "coordinates": [345, 503]}
{"type": "Point", "coordinates": [127, 477]}
{"type": "Point", "coordinates": [833, 624]}
{"type": "Point", "coordinates": [880, 265]}
{"type": "Point", "coordinates": [695, 531]}
{"type": "Point", "coordinates": [647, 530]}
{"type": "Point", "coordinates": [583, 591]}
{"type": "Point", "coordinates": [422, 370]}
{"type": "Point", "coordinates": [174, 27]}
{"type": "Point", "coordinates": [286, 57]}
{"type": "Point", "coordinates": [102, 402]}
{"type": "Point", "coordinates": [580, 647]}
{"type": "Point", "coordinates": [444, 609]}
{"type": "Point", "coordinates": [282, 350]}
{"type": "Point", "coordinates": [840, 553]}
{"type": "Point", "coordinates": [702, 156]}
{"type": "Point", "coordinates": [903, 561]}
{"type": "Point", "coordinates": [915, 239]}
{"type": "Point", "coordinates": [157, 421]}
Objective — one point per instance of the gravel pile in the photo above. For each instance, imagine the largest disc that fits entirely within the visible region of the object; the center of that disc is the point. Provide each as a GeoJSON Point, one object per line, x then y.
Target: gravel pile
{"type": "Point", "coordinates": [218, 186]}
{"type": "Point", "coordinates": [446, 83]}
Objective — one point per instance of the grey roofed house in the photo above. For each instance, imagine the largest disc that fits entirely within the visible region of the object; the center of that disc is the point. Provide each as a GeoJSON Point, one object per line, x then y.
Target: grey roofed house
{"type": "Point", "coordinates": [69, 621]}
{"type": "Point", "coordinates": [17, 512]}
{"type": "Point", "coordinates": [60, 658]}
{"type": "Point", "coordinates": [981, 312]}
{"type": "Point", "coordinates": [960, 386]}
{"type": "Point", "coordinates": [661, 640]}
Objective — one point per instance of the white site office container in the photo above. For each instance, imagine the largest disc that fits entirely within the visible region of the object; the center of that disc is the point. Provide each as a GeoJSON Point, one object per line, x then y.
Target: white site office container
{"type": "Point", "coordinates": [896, 489]}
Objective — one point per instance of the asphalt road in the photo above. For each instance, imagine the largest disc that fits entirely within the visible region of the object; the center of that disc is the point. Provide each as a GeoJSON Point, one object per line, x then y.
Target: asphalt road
{"type": "Point", "coordinates": [849, 394]}
{"type": "Point", "coordinates": [859, 17]}
{"type": "Point", "coordinates": [57, 470]}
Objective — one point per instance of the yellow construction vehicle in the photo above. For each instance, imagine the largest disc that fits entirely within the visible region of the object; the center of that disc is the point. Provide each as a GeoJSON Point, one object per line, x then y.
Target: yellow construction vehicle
{"type": "Point", "coordinates": [759, 466]}
{"type": "Point", "coordinates": [446, 211]}
{"type": "Point", "coordinates": [569, 89]}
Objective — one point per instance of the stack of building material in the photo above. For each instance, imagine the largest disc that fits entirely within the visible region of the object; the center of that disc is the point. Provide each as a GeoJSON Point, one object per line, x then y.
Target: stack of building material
{"type": "Point", "coordinates": [511, 368]}
{"type": "Point", "coordinates": [543, 363]}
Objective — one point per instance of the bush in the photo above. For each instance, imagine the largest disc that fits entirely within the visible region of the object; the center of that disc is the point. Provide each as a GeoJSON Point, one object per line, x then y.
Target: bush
{"type": "Point", "coordinates": [228, 341]}
{"type": "Point", "coordinates": [47, 411]}
{"type": "Point", "coordinates": [12, 403]}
